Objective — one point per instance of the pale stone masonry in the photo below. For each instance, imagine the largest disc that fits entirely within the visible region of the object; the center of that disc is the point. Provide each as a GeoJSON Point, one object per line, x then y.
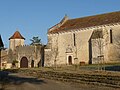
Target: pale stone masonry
{"type": "Point", "coordinates": [88, 40]}
{"type": "Point", "coordinates": [33, 54]}
{"type": "Point", "coordinates": [16, 40]}
{"type": "Point", "coordinates": [25, 56]}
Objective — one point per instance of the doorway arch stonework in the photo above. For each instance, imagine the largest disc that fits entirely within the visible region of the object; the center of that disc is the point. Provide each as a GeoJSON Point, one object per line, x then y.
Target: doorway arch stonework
{"type": "Point", "coordinates": [24, 62]}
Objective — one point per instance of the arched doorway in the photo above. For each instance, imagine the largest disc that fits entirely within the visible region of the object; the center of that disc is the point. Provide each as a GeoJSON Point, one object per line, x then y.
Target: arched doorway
{"type": "Point", "coordinates": [39, 64]}
{"type": "Point", "coordinates": [24, 62]}
{"type": "Point", "coordinates": [32, 63]}
{"type": "Point", "coordinates": [70, 60]}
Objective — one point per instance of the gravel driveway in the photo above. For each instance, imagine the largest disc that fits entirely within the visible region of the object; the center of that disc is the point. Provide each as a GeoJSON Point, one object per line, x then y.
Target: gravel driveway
{"type": "Point", "coordinates": [20, 82]}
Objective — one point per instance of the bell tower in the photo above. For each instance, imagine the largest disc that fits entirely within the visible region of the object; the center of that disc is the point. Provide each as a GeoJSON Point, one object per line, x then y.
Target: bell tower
{"type": "Point", "coordinates": [16, 40]}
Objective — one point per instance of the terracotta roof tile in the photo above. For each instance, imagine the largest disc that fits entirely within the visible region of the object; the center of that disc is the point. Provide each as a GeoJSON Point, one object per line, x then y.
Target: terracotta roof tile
{"type": "Point", "coordinates": [17, 35]}
{"type": "Point", "coordinates": [89, 21]}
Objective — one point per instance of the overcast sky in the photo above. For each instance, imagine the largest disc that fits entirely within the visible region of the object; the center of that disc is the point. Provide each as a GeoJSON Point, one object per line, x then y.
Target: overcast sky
{"type": "Point", "coordinates": [34, 17]}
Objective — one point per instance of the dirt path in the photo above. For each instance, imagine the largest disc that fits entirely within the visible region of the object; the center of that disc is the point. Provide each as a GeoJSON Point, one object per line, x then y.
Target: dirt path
{"type": "Point", "coordinates": [21, 82]}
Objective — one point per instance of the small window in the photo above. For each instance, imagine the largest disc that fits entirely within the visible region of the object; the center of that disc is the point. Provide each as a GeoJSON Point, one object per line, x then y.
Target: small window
{"type": "Point", "coordinates": [111, 39]}
{"type": "Point", "coordinates": [74, 39]}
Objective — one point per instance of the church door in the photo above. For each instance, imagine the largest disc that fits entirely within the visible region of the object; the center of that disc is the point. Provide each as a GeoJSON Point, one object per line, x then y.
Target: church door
{"type": "Point", "coordinates": [70, 60]}
{"type": "Point", "coordinates": [24, 62]}
{"type": "Point", "coordinates": [32, 63]}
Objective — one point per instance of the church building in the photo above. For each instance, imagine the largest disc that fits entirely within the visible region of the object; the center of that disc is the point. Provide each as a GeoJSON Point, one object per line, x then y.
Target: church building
{"type": "Point", "coordinates": [86, 40]}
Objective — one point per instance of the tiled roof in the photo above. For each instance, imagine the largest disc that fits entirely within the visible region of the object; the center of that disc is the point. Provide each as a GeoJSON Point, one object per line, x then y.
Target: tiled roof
{"type": "Point", "coordinates": [102, 19]}
{"type": "Point", "coordinates": [16, 35]}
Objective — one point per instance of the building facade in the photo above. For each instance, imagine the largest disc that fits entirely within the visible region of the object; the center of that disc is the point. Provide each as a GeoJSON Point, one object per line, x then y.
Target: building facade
{"type": "Point", "coordinates": [88, 40]}
{"type": "Point", "coordinates": [25, 55]}
{"type": "Point", "coordinates": [20, 55]}
{"type": "Point", "coordinates": [16, 40]}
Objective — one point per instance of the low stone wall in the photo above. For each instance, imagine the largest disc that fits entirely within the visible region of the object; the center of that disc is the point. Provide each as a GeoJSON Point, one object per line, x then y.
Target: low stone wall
{"type": "Point", "coordinates": [93, 77]}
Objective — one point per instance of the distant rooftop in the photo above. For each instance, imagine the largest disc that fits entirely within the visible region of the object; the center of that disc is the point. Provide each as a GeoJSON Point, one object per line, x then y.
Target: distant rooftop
{"type": "Point", "coordinates": [16, 35]}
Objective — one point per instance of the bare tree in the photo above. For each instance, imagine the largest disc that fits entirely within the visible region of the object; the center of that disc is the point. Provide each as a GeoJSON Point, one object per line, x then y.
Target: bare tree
{"type": "Point", "coordinates": [55, 52]}
{"type": "Point", "coordinates": [12, 58]}
{"type": "Point", "coordinates": [117, 44]}
{"type": "Point", "coordinates": [55, 55]}
{"type": "Point", "coordinates": [99, 38]}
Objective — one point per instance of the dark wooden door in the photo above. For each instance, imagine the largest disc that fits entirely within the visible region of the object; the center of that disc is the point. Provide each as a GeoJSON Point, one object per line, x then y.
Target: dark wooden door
{"type": "Point", "coordinates": [32, 63]}
{"type": "Point", "coordinates": [24, 62]}
{"type": "Point", "coordinates": [70, 60]}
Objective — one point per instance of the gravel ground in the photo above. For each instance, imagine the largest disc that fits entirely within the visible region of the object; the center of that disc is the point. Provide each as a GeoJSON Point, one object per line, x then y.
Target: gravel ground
{"type": "Point", "coordinates": [21, 82]}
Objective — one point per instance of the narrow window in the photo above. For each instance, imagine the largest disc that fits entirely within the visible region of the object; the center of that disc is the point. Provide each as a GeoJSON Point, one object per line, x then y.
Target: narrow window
{"type": "Point", "coordinates": [111, 40]}
{"type": "Point", "coordinates": [74, 39]}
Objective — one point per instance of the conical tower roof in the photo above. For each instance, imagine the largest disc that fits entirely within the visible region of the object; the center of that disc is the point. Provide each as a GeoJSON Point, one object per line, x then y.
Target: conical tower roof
{"type": "Point", "coordinates": [1, 42]}
{"type": "Point", "coordinates": [16, 35]}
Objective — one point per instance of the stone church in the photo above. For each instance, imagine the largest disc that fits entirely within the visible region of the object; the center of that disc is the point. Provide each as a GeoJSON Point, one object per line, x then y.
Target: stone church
{"type": "Point", "coordinates": [20, 55]}
{"type": "Point", "coordinates": [86, 40]}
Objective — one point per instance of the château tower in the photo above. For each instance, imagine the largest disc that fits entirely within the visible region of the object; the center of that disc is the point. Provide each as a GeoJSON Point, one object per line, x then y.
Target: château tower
{"type": "Point", "coordinates": [16, 40]}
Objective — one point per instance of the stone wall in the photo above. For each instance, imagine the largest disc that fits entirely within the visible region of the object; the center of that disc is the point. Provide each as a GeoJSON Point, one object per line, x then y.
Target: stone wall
{"type": "Point", "coordinates": [34, 53]}
{"type": "Point", "coordinates": [4, 59]}
{"type": "Point", "coordinates": [78, 41]}
{"type": "Point", "coordinates": [114, 47]}
{"type": "Point", "coordinates": [15, 42]}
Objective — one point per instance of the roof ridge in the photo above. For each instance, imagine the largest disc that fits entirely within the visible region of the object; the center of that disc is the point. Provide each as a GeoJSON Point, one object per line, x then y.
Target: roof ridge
{"type": "Point", "coordinates": [16, 35]}
{"type": "Point", "coordinates": [89, 21]}
{"type": "Point", "coordinates": [94, 15]}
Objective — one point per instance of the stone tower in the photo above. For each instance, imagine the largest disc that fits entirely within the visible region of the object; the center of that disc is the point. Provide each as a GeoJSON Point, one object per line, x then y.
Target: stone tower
{"type": "Point", "coordinates": [16, 40]}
